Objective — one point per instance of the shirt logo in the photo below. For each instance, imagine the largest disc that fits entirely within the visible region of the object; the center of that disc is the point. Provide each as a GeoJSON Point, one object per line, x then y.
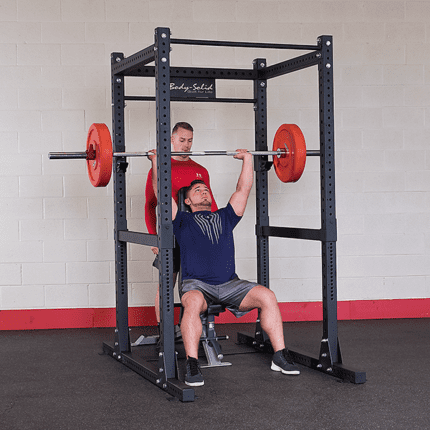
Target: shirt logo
{"type": "Point", "coordinates": [210, 225]}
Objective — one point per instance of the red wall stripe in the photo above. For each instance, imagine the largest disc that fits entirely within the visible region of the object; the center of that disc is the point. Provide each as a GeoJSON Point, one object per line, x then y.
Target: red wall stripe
{"type": "Point", "coordinates": [34, 319]}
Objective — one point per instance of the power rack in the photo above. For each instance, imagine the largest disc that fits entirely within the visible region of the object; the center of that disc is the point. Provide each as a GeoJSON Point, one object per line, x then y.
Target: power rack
{"type": "Point", "coordinates": [163, 371]}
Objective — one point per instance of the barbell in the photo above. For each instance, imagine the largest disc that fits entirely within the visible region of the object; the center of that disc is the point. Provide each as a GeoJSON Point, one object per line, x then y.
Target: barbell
{"type": "Point", "coordinates": [289, 154]}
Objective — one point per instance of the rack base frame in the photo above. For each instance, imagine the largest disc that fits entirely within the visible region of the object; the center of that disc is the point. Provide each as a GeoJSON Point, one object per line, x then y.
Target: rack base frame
{"type": "Point", "coordinates": [338, 370]}
{"type": "Point", "coordinates": [150, 371]}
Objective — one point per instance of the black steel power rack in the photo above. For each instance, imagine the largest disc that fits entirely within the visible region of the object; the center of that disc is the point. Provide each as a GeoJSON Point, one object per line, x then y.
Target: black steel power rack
{"type": "Point", "coordinates": [163, 371]}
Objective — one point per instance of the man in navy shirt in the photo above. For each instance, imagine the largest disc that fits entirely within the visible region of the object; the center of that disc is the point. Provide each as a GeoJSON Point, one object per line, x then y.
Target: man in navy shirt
{"type": "Point", "coordinates": [206, 246]}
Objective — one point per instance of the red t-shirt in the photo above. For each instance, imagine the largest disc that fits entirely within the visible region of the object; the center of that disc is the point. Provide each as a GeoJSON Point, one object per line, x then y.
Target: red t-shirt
{"type": "Point", "coordinates": [183, 173]}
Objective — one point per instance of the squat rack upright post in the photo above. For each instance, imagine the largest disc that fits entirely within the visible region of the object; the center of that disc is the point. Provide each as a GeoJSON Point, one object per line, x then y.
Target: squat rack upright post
{"type": "Point", "coordinates": [329, 360]}
{"type": "Point", "coordinates": [165, 373]}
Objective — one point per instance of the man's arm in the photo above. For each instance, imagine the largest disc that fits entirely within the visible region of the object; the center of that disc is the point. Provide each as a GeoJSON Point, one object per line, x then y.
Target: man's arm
{"type": "Point", "coordinates": [150, 206]}
{"type": "Point", "coordinates": [150, 209]}
{"type": "Point", "coordinates": [153, 159]}
{"type": "Point", "coordinates": [240, 197]}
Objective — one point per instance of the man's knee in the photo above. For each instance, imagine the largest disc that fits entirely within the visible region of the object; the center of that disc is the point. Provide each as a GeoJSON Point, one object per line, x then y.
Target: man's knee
{"type": "Point", "coordinates": [270, 295]}
{"type": "Point", "coordinates": [264, 297]}
{"type": "Point", "coordinates": [194, 301]}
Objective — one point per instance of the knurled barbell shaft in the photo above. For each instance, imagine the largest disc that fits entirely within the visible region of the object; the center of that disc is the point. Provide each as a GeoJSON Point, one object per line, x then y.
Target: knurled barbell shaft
{"type": "Point", "coordinates": [196, 153]}
{"type": "Point", "coordinates": [84, 155]}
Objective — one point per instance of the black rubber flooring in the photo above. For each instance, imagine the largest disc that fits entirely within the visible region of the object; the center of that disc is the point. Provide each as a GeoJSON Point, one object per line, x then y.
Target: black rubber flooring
{"type": "Point", "coordinates": [59, 379]}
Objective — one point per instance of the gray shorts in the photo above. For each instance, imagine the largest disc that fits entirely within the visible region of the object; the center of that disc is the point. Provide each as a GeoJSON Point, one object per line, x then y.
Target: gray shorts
{"type": "Point", "coordinates": [229, 294]}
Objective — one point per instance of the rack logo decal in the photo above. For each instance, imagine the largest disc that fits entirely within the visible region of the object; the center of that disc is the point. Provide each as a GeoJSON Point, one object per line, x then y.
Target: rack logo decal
{"type": "Point", "coordinates": [193, 87]}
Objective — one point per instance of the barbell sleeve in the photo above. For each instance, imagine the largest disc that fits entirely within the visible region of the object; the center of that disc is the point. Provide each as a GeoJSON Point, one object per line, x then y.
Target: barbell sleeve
{"type": "Point", "coordinates": [67, 155]}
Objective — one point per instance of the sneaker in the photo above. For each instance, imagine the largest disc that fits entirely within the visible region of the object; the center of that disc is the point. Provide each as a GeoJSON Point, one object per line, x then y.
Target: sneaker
{"type": "Point", "coordinates": [282, 362]}
{"type": "Point", "coordinates": [194, 376]}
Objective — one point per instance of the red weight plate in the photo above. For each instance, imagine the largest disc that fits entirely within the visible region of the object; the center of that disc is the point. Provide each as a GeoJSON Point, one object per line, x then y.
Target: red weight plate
{"type": "Point", "coordinates": [289, 167]}
{"type": "Point", "coordinates": [99, 169]}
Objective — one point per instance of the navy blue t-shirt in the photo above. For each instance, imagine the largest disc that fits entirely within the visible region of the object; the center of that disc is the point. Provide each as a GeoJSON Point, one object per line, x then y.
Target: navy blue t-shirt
{"type": "Point", "coordinates": [206, 244]}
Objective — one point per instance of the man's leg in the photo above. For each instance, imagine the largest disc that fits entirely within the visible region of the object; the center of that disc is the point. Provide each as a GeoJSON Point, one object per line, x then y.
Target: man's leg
{"type": "Point", "coordinates": [270, 315]}
{"type": "Point", "coordinates": [157, 304]}
{"type": "Point", "coordinates": [271, 322]}
{"type": "Point", "coordinates": [194, 304]}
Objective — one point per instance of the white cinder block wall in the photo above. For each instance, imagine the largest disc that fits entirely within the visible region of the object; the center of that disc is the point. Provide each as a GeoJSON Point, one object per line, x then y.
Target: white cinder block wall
{"type": "Point", "coordinates": [57, 230]}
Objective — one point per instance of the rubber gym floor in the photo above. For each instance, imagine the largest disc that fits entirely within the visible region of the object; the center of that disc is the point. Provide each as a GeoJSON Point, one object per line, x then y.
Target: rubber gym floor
{"type": "Point", "coordinates": [60, 379]}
